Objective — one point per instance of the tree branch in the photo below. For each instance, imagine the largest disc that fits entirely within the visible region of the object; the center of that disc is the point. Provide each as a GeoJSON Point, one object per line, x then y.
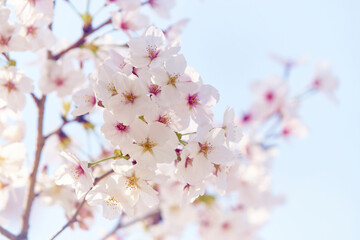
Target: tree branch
{"type": "Point", "coordinates": [81, 40]}
{"type": "Point", "coordinates": [73, 218]}
{"type": "Point", "coordinates": [127, 224]}
{"type": "Point", "coordinates": [32, 178]}
{"type": "Point", "coordinates": [36, 99]}
{"type": "Point", "coordinates": [6, 233]}
{"type": "Point", "coordinates": [59, 129]}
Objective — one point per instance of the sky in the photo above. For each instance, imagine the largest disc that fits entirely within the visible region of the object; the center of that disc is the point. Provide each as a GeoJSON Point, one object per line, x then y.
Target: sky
{"type": "Point", "coordinates": [228, 43]}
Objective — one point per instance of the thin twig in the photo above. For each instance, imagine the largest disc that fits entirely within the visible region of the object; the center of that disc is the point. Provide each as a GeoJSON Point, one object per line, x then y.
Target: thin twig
{"type": "Point", "coordinates": [6, 233]}
{"type": "Point", "coordinates": [59, 129]}
{"type": "Point", "coordinates": [73, 7]}
{"type": "Point", "coordinates": [6, 56]}
{"type": "Point", "coordinates": [32, 178]}
{"type": "Point", "coordinates": [112, 232]}
{"type": "Point", "coordinates": [100, 9]}
{"type": "Point", "coordinates": [127, 224]}
{"type": "Point", "coordinates": [87, 6]}
{"type": "Point", "coordinates": [73, 218]}
{"type": "Point", "coordinates": [81, 40]}
{"type": "Point", "coordinates": [36, 99]}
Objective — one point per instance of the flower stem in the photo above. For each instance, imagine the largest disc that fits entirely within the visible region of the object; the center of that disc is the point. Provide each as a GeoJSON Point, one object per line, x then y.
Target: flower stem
{"type": "Point", "coordinates": [109, 158]}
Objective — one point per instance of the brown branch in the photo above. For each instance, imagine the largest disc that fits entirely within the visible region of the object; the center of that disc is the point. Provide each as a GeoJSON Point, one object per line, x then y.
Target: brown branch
{"type": "Point", "coordinates": [32, 178]}
{"type": "Point", "coordinates": [36, 99]}
{"type": "Point", "coordinates": [73, 218]}
{"type": "Point", "coordinates": [6, 233]}
{"type": "Point", "coordinates": [81, 40]}
{"type": "Point", "coordinates": [127, 224]}
{"type": "Point", "coordinates": [60, 128]}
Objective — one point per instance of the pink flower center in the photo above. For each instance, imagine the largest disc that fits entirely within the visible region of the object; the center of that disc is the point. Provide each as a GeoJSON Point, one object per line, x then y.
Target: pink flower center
{"type": "Point", "coordinates": [269, 96]}
{"type": "Point", "coordinates": [286, 131]}
{"type": "Point", "coordinates": [79, 171]}
{"type": "Point", "coordinates": [10, 86]}
{"type": "Point", "coordinates": [153, 3]}
{"type": "Point", "coordinates": [4, 41]}
{"type": "Point", "coordinates": [129, 97]}
{"type": "Point", "coordinates": [226, 226]}
{"type": "Point", "coordinates": [173, 78]}
{"type": "Point", "coordinates": [121, 127]}
{"type": "Point", "coordinates": [246, 117]}
{"type": "Point", "coordinates": [152, 52]}
{"type": "Point", "coordinates": [164, 119]}
{"type": "Point", "coordinates": [147, 145]}
{"type": "Point", "coordinates": [31, 30]}
{"type": "Point", "coordinates": [59, 81]}
{"type": "Point", "coordinates": [317, 83]}
{"type": "Point", "coordinates": [192, 100]}
{"type": "Point", "coordinates": [205, 148]}
{"type": "Point", "coordinates": [124, 26]}
{"type": "Point", "coordinates": [154, 89]}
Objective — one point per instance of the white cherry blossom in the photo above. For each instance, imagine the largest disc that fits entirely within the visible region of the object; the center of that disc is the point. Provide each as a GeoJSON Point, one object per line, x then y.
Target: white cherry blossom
{"type": "Point", "coordinates": [126, 4]}
{"type": "Point", "coordinates": [36, 30]}
{"type": "Point", "coordinates": [129, 21]}
{"type": "Point", "coordinates": [85, 101]}
{"type": "Point", "coordinates": [162, 7]}
{"type": "Point", "coordinates": [60, 77]}
{"type": "Point", "coordinates": [131, 99]}
{"type": "Point", "coordinates": [154, 143]}
{"type": "Point", "coordinates": [10, 40]}
{"type": "Point", "coordinates": [75, 173]}
{"type": "Point", "coordinates": [108, 194]}
{"type": "Point", "coordinates": [12, 157]}
{"type": "Point", "coordinates": [150, 50]}
{"type": "Point", "coordinates": [13, 87]}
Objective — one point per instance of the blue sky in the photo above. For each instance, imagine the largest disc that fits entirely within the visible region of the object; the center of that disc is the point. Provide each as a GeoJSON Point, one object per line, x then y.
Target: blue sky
{"type": "Point", "coordinates": [228, 43]}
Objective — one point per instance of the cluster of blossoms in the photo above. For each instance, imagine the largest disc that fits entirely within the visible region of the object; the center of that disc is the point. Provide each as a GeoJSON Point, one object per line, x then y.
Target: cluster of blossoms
{"type": "Point", "coordinates": [163, 160]}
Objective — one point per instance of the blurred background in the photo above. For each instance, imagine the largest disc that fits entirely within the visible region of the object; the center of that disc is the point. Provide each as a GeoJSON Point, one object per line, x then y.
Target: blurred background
{"type": "Point", "coordinates": [228, 43]}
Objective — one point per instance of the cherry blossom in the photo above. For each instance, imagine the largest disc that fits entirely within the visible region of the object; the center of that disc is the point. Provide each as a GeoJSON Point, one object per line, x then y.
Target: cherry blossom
{"type": "Point", "coordinates": [13, 87]}
{"type": "Point", "coordinates": [75, 173]}
{"type": "Point", "coordinates": [85, 100]}
{"type": "Point", "coordinates": [60, 77]}
{"type": "Point", "coordinates": [12, 157]}
{"type": "Point", "coordinates": [162, 7]}
{"type": "Point", "coordinates": [129, 21]}
{"type": "Point", "coordinates": [173, 32]}
{"type": "Point", "coordinates": [36, 30]}
{"type": "Point", "coordinates": [151, 50]}
{"type": "Point", "coordinates": [154, 143]}
{"type": "Point", "coordinates": [10, 40]}
{"type": "Point", "coordinates": [108, 195]}
{"type": "Point", "coordinates": [142, 121]}
{"type": "Point", "coordinates": [324, 80]}
{"type": "Point", "coordinates": [126, 4]}
{"type": "Point", "coordinates": [270, 94]}
{"type": "Point", "coordinates": [131, 100]}
{"type": "Point", "coordinates": [119, 133]}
